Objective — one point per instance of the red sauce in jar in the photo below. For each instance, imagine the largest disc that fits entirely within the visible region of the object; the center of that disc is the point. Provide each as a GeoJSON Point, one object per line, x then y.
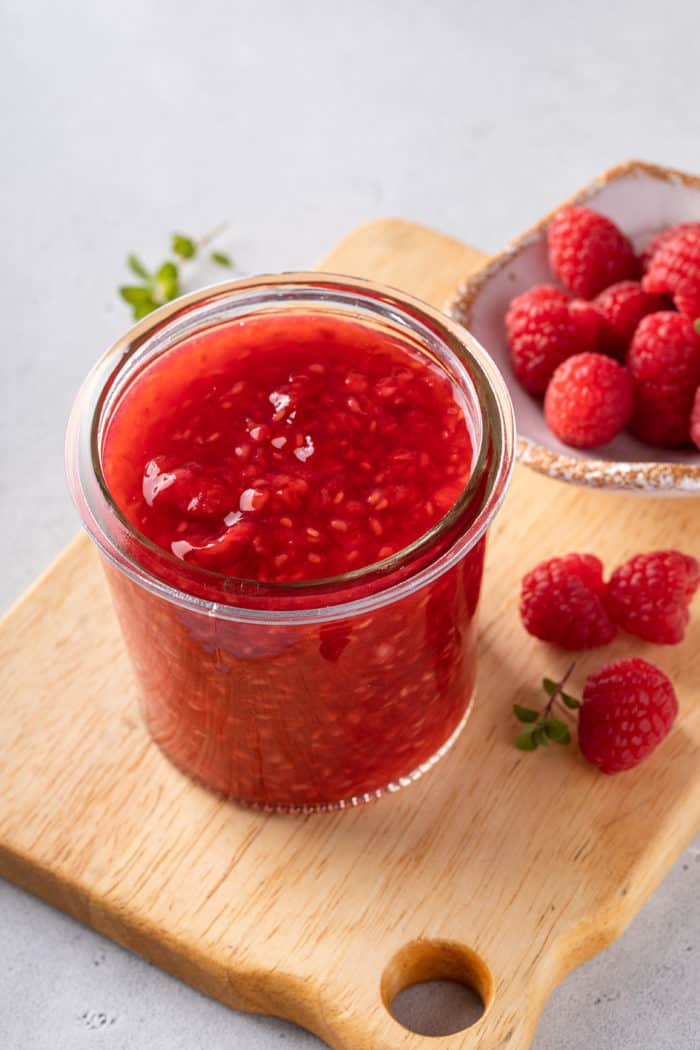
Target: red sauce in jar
{"type": "Point", "coordinates": [289, 448]}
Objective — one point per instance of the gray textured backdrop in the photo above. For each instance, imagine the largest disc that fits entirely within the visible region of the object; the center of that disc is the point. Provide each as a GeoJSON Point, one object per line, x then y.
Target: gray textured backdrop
{"type": "Point", "coordinates": [295, 121]}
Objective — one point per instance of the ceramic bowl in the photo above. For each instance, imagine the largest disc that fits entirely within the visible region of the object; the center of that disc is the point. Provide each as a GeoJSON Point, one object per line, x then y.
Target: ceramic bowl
{"type": "Point", "coordinates": [641, 199]}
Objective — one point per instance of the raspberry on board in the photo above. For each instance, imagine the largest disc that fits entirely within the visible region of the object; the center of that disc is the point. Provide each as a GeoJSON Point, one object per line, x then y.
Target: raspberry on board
{"type": "Point", "coordinates": [662, 238]}
{"type": "Point", "coordinates": [664, 361]}
{"type": "Point", "coordinates": [587, 252]}
{"type": "Point", "coordinates": [589, 400]}
{"type": "Point", "coordinates": [621, 307]}
{"type": "Point", "coordinates": [675, 270]}
{"type": "Point", "coordinates": [649, 595]}
{"type": "Point", "coordinates": [561, 602]}
{"type": "Point", "coordinates": [543, 329]}
{"type": "Point", "coordinates": [628, 708]}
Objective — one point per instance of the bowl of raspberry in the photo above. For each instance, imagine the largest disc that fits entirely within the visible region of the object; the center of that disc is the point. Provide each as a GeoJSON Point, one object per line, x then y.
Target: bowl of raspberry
{"type": "Point", "coordinates": [593, 316]}
{"type": "Point", "coordinates": [290, 479]}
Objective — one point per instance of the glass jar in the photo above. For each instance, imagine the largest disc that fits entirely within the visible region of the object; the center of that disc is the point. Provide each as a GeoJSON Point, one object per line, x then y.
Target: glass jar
{"type": "Point", "coordinates": [309, 695]}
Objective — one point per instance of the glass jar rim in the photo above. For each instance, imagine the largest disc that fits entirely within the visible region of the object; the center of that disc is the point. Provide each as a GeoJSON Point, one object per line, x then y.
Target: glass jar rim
{"type": "Point", "coordinates": [175, 321]}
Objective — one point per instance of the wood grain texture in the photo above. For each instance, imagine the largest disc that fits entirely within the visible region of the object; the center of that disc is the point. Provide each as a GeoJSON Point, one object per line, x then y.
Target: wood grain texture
{"type": "Point", "coordinates": [505, 868]}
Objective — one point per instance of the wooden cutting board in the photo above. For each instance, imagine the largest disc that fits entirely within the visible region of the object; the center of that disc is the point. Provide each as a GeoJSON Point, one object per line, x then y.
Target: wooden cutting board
{"type": "Point", "coordinates": [501, 868]}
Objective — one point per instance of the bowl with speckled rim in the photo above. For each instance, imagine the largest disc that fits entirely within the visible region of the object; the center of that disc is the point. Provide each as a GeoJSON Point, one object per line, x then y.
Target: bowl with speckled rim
{"type": "Point", "coordinates": [642, 199]}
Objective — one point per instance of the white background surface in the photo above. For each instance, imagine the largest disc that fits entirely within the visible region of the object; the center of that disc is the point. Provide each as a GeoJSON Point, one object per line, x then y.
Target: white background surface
{"type": "Point", "coordinates": [295, 121]}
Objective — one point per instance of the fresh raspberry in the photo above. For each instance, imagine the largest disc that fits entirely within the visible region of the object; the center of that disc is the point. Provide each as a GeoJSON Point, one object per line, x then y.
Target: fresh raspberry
{"type": "Point", "coordinates": [543, 329]}
{"type": "Point", "coordinates": [675, 270]}
{"type": "Point", "coordinates": [660, 416]}
{"type": "Point", "coordinates": [649, 595]}
{"type": "Point", "coordinates": [664, 361]}
{"type": "Point", "coordinates": [622, 306]}
{"type": "Point", "coordinates": [540, 293]}
{"type": "Point", "coordinates": [662, 238]}
{"type": "Point", "coordinates": [589, 400]}
{"type": "Point", "coordinates": [561, 601]}
{"type": "Point", "coordinates": [587, 252]}
{"type": "Point", "coordinates": [590, 323]}
{"type": "Point", "coordinates": [628, 708]}
{"type": "Point", "coordinates": [665, 350]}
{"type": "Point", "coordinates": [695, 419]}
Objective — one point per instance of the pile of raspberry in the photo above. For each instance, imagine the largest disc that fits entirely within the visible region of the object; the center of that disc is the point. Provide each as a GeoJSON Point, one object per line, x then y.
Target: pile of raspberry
{"type": "Point", "coordinates": [567, 602]}
{"type": "Point", "coordinates": [628, 706]}
{"type": "Point", "coordinates": [618, 343]}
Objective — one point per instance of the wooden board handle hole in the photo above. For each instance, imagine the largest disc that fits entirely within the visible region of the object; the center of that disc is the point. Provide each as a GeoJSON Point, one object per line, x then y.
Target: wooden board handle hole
{"type": "Point", "coordinates": [436, 988]}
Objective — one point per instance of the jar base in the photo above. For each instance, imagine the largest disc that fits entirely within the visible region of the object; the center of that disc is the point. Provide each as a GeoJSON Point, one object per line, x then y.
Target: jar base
{"type": "Point", "coordinates": [306, 808]}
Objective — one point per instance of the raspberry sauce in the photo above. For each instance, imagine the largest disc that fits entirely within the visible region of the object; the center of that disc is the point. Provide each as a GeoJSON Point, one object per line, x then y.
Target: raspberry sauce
{"type": "Point", "coordinates": [286, 450]}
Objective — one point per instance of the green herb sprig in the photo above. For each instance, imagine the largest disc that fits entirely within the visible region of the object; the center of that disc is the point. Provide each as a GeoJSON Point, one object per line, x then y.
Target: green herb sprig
{"type": "Point", "coordinates": [539, 727]}
{"type": "Point", "coordinates": [164, 283]}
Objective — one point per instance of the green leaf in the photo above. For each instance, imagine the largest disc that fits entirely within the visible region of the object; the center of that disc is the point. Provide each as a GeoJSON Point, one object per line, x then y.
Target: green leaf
{"type": "Point", "coordinates": [167, 282]}
{"type": "Point", "coordinates": [135, 294]}
{"type": "Point", "coordinates": [540, 736]}
{"type": "Point", "coordinates": [697, 326]}
{"type": "Point", "coordinates": [571, 701]}
{"type": "Point", "coordinates": [142, 309]}
{"type": "Point", "coordinates": [549, 686]}
{"type": "Point", "coordinates": [137, 267]}
{"type": "Point", "coordinates": [183, 246]}
{"type": "Point", "coordinates": [221, 258]}
{"type": "Point", "coordinates": [525, 714]}
{"type": "Point", "coordinates": [557, 730]}
{"type": "Point", "coordinates": [526, 742]}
